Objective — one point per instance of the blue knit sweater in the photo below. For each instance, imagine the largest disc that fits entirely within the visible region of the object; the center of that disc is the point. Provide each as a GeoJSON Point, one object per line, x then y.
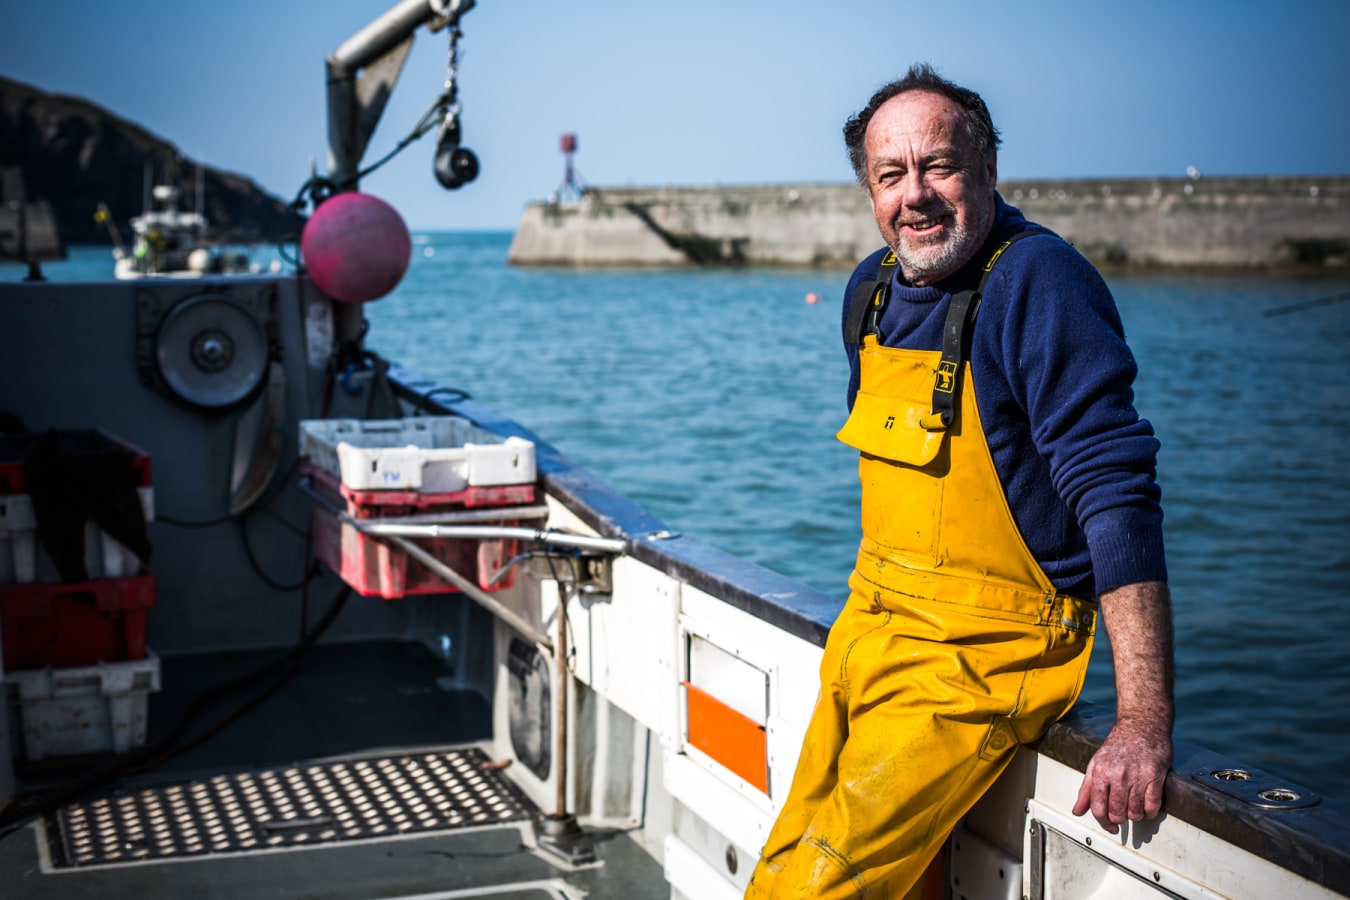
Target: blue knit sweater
{"type": "Point", "coordinates": [1053, 379]}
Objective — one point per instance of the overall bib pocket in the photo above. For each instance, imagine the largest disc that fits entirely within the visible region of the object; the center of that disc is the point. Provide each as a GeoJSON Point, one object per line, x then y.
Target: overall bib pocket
{"type": "Point", "coordinates": [901, 467]}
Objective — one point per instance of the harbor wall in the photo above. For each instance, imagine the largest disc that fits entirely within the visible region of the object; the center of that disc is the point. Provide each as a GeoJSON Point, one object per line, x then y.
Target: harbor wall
{"type": "Point", "coordinates": [1260, 223]}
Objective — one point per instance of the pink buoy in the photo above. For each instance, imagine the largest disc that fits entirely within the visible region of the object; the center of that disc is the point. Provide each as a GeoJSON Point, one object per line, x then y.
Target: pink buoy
{"type": "Point", "coordinates": [356, 247]}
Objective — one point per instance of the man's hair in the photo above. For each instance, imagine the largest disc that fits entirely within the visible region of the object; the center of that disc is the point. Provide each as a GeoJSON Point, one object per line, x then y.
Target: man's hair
{"type": "Point", "coordinates": [975, 120]}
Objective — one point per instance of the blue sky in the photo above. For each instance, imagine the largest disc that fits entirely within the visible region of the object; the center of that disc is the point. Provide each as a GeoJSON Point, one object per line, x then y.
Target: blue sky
{"type": "Point", "coordinates": [699, 92]}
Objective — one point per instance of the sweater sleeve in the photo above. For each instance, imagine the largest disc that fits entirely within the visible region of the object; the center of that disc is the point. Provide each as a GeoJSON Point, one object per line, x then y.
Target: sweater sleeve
{"type": "Point", "coordinates": [1068, 368]}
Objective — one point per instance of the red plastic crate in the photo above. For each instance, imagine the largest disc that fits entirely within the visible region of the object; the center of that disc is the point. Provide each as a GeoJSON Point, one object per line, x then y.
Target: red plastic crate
{"type": "Point", "coordinates": [73, 443]}
{"type": "Point", "coordinates": [374, 568]}
{"type": "Point", "coordinates": [68, 625]}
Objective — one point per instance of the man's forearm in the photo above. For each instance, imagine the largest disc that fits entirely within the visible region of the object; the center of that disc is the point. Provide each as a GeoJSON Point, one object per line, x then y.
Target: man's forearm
{"type": "Point", "coordinates": [1125, 777]}
{"type": "Point", "coordinates": [1139, 624]}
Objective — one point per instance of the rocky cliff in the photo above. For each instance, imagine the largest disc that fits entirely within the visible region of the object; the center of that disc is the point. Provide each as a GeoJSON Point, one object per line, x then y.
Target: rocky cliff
{"type": "Point", "coordinates": [75, 155]}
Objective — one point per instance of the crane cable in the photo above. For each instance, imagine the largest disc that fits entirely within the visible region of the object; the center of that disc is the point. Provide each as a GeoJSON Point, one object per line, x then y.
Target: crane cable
{"type": "Point", "coordinates": [444, 108]}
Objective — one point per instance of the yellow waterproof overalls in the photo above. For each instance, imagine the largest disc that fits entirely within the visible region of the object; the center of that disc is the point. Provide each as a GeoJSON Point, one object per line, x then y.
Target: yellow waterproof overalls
{"type": "Point", "coordinates": [953, 648]}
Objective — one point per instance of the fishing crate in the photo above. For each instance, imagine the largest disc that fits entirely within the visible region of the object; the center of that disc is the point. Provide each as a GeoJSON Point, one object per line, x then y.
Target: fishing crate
{"type": "Point", "coordinates": [78, 710]}
{"type": "Point", "coordinates": [376, 568]}
{"type": "Point", "coordinates": [426, 454]}
{"type": "Point", "coordinates": [75, 624]}
{"type": "Point", "coordinates": [23, 559]}
{"type": "Point", "coordinates": [413, 469]}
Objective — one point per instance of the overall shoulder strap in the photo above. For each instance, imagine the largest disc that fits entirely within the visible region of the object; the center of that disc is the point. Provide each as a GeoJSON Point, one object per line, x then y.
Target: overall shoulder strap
{"type": "Point", "coordinates": [955, 342]}
{"type": "Point", "coordinates": [869, 302]}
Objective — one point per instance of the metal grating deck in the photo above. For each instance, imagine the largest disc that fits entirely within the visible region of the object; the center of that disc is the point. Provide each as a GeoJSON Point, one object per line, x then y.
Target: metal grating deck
{"type": "Point", "coordinates": [288, 807]}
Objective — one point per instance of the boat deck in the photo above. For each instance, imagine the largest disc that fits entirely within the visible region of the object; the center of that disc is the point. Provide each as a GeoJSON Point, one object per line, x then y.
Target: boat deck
{"type": "Point", "coordinates": [359, 773]}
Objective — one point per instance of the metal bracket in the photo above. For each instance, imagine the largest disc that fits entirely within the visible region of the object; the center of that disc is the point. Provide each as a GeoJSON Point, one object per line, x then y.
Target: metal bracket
{"type": "Point", "coordinates": [561, 836]}
{"type": "Point", "coordinates": [1036, 842]}
{"type": "Point", "coordinates": [594, 572]}
{"type": "Point", "coordinates": [1256, 787]}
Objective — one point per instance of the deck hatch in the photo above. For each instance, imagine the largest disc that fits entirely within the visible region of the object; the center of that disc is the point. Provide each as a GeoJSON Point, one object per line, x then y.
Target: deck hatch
{"type": "Point", "coordinates": [293, 806]}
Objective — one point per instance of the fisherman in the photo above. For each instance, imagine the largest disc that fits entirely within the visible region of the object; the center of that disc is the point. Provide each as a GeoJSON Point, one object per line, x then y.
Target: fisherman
{"type": "Point", "coordinates": [1008, 493]}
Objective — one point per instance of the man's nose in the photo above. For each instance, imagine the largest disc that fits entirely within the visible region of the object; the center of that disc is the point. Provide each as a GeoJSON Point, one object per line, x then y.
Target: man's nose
{"type": "Point", "coordinates": [918, 190]}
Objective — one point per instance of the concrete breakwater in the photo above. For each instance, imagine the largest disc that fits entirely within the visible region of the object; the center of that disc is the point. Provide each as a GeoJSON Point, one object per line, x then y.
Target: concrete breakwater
{"type": "Point", "coordinates": [1243, 224]}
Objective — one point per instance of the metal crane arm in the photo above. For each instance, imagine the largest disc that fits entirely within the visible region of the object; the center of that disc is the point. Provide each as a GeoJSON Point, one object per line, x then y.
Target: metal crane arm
{"type": "Point", "coordinates": [362, 73]}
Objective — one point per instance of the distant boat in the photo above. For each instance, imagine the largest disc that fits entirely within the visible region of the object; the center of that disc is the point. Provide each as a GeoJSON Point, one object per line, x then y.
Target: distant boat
{"type": "Point", "coordinates": [167, 241]}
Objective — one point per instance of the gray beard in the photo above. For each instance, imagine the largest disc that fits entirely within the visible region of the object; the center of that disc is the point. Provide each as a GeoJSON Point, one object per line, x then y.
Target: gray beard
{"type": "Point", "coordinates": [931, 262]}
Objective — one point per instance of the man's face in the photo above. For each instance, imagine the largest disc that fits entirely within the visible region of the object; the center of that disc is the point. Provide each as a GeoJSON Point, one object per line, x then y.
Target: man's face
{"type": "Point", "coordinates": [932, 194]}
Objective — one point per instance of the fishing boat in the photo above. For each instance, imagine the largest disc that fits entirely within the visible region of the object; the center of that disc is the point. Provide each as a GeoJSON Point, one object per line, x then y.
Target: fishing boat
{"type": "Point", "coordinates": [388, 642]}
{"type": "Point", "coordinates": [171, 242]}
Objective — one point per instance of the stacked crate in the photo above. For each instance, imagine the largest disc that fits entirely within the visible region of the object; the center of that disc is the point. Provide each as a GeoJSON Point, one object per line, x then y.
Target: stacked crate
{"type": "Point", "coordinates": [413, 470]}
{"type": "Point", "coordinates": [77, 671]}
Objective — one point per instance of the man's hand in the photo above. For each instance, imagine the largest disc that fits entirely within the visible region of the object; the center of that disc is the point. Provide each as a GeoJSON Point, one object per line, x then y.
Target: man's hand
{"type": "Point", "coordinates": [1125, 777]}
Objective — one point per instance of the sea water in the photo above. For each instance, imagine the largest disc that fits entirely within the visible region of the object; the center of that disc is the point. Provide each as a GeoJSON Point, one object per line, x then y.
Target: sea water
{"type": "Point", "coordinates": [711, 397]}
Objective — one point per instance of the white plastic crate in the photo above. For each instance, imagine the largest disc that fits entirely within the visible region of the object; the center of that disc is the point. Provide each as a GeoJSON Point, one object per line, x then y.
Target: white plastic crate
{"type": "Point", "coordinates": [24, 561]}
{"type": "Point", "coordinates": [88, 709]}
{"type": "Point", "coordinates": [431, 454]}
